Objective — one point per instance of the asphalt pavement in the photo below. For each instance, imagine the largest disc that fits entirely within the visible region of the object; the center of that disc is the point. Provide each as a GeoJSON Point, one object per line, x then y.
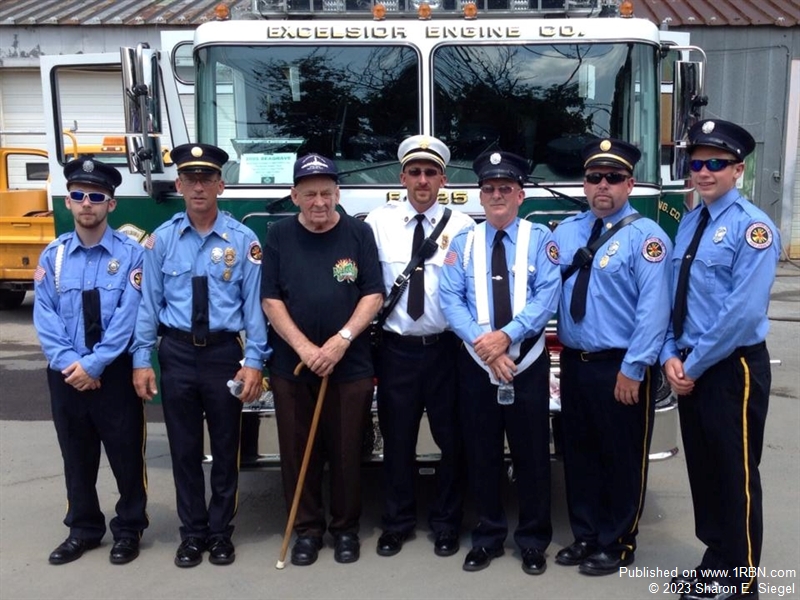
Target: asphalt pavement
{"type": "Point", "coordinates": [32, 500]}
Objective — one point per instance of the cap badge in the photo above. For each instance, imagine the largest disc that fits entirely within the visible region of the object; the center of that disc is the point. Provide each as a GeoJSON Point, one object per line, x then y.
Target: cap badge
{"type": "Point", "coordinates": [708, 127]}
{"type": "Point", "coordinates": [495, 158]}
{"type": "Point", "coordinates": [605, 145]}
{"type": "Point", "coordinates": [424, 143]}
{"type": "Point", "coordinates": [197, 151]}
{"type": "Point", "coordinates": [88, 166]}
{"type": "Point", "coordinates": [719, 234]}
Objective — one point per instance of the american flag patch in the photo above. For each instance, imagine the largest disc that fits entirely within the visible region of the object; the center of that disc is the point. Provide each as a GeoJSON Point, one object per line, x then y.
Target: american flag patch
{"type": "Point", "coordinates": [39, 273]}
{"type": "Point", "coordinates": [150, 242]}
{"type": "Point", "coordinates": [450, 258]}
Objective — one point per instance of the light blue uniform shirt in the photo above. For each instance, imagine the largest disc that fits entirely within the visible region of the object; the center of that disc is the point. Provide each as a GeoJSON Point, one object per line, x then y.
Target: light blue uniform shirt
{"type": "Point", "coordinates": [628, 300]}
{"type": "Point", "coordinates": [457, 285]}
{"type": "Point", "coordinates": [230, 256]}
{"type": "Point", "coordinates": [729, 282]}
{"type": "Point", "coordinates": [114, 267]}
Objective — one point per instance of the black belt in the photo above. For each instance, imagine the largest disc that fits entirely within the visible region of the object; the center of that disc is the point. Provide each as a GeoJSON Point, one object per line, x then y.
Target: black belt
{"type": "Point", "coordinates": [416, 340]}
{"type": "Point", "coordinates": [740, 351]}
{"type": "Point", "coordinates": [612, 354]}
{"type": "Point", "coordinates": [212, 339]}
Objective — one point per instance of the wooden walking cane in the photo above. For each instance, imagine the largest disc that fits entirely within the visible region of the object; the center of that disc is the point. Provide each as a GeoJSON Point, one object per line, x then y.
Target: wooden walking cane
{"type": "Point", "coordinates": [298, 490]}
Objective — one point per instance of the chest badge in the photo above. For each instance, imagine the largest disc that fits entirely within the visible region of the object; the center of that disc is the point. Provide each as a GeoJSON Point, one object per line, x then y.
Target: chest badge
{"type": "Point", "coordinates": [604, 261]}
{"type": "Point", "coordinates": [719, 234]}
{"type": "Point", "coordinates": [113, 266]}
{"type": "Point", "coordinates": [230, 256]}
{"type": "Point", "coordinates": [612, 248]}
{"type": "Point", "coordinates": [216, 255]}
{"type": "Point", "coordinates": [445, 241]}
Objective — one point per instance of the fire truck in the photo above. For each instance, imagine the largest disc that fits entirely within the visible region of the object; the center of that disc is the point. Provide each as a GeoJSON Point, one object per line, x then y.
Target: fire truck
{"type": "Point", "coordinates": [350, 79]}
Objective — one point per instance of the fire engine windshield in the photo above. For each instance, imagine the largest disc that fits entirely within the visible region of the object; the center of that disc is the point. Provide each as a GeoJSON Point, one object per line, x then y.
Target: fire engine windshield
{"type": "Point", "coordinates": [544, 102]}
{"type": "Point", "coordinates": [268, 105]}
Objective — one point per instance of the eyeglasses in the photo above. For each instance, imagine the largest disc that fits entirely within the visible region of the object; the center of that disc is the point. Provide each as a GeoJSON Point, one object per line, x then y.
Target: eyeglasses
{"type": "Point", "coordinates": [430, 172]}
{"type": "Point", "coordinates": [715, 165]}
{"type": "Point", "coordinates": [204, 181]}
{"type": "Point", "coordinates": [504, 190]}
{"type": "Point", "coordinates": [611, 178]}
{"type": "Point", "coordinates": [94, 197]}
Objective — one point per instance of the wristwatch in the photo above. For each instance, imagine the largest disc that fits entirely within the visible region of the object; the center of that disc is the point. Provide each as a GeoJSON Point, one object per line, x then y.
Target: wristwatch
{"type": "Point", "coordinates": [346, 334]}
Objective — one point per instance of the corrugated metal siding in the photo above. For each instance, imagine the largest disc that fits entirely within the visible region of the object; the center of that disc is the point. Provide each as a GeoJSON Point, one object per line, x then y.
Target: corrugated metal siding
{"type": "Point", "coordinates": [676, 13]}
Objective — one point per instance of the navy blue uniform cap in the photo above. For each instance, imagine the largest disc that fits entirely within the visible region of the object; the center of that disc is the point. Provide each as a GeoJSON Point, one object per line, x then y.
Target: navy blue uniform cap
{"type": "Point", "coordinates": [609, 152]}
{"type": "Point", "coordinates": [314, 164]}
{"type": "Point", "coordinates": [88, 170]}
{"type": "Point", "coordinates": [199, 158]}
{"type": "Point", "coordinates": [724, 135]}
{"type": "Point", "coordinates": [500, 165]}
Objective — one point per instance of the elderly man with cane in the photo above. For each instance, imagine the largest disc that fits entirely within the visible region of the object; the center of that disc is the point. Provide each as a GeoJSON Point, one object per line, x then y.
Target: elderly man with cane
{"type": "Point", "coordinates": [321, 286]}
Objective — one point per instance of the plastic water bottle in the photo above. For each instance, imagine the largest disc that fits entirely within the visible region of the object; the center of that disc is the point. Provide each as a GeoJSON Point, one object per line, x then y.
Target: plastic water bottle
{"type": "Point", "coordinates": [505, 393]}
{"type": "Point", "coordinates": [236, 387]}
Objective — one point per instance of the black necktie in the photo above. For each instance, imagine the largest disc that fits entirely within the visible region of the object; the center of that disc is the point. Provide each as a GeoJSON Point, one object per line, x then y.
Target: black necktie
{"type": "Point", "coordinates": [681, 291]}
{"type": "Point", "coordinates": [92, 318]}
{"type": "Point", "coordinates": [416, 284]}
{"type": "Point", "coordinates": [577, 307]}
{"type": "Point", "coordinates": [501, 294]}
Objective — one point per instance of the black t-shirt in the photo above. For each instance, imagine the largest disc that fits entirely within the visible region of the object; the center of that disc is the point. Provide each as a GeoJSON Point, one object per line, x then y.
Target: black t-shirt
{"type": "Point", "coordinates": [321, 277]}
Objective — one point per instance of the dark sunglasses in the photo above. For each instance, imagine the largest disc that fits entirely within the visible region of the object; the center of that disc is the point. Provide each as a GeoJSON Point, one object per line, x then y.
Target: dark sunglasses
{"type": "Point", "coordinates": [715, 165]}
{"type": "Point", "coordinates": [611, 178]}
{"type": "Point", "coordinates": [430, 172]}
{"type": "Point", "coordinates": [94, 197]}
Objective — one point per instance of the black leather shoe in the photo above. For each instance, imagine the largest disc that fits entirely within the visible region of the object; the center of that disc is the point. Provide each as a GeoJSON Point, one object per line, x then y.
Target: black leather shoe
{"type": "Point", "coordinates": [533, 561]}
{"type": "Point", "coordinates": [687, 579]}
{"type": "Point", "coordinates": [71, 549]}
{"type": "Point", "coordinates": [346, 548]}
{"type": "Point", "coordinates": [479, 558]}
{"type": "Point", "coordinates": [124, 551]}
{"type": "Point", "coordinates": [390, 543]}
{"type": "Point", "coordinates": [706, 589]}
{"type": "Point", "coordinates": [605, 563]}
{"type": "Point", "coordinates": [446, 543]}
{"type": "Point", "coordinates": [190, 552]}
{"type": "Point", "coordinates": [221, 551]}
{"type": "Point", "coordinates": [305, 550]}
{"type": "Point", "coordinates": [575, 553]}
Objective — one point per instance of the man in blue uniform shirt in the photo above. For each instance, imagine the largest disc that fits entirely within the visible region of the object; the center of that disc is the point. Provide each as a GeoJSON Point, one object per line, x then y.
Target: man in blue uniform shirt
{"type": "Point", "coordinates": [613, 316]}
{"type": "Point", "coordinates": [715, 356]}
{"type": "Point", "coordinates": [87, 293]}
{"type": "Point", "coordinates": [416, 361]}
{"type": "Point", "coordinates": [202, 273]}
{"type": "Point", "coordinates": [498, 289]}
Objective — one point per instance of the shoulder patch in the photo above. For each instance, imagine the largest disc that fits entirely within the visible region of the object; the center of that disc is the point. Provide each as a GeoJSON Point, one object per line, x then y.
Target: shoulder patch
{"type": "Point", "coordinates": [150, 242]}
{"type": "Point", "coordinates": [450, 258]}
{"type": "Point", "coordinates": [759, 236]}
{"type": "Point", "coordinates": [39, 273]}
{"type": "Point", "coordinates": [654, 250]}
{"type": "Point", "coordinates": [136, 279]}
{"type": "Point", "coordinates": [552, 252]}
{"type": "Point", "coordinates": [254, 253]}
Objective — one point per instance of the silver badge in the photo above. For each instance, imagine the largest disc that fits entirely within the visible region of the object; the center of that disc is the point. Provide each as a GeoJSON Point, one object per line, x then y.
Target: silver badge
{"type": "Point", "coordinates": [113, 266]}
{"type": "Point", "coordinates": [88, 166]}
{"type": "Point", "coordinates": [496, 158]}
{"type": "Point", "coordinates": [612, 248]}
{"type": "Point", "coordinates": [708, 127]}
{"type": "Point", "coordinates": [719, 234]}
{"type": "Point", "coordinates": [216, 255]}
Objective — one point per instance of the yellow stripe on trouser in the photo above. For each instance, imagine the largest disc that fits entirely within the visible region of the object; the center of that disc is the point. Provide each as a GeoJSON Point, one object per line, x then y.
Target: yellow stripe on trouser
{"type": "Point", "coordinates": [746, 461]}
{"type": "Point", "coordinates": [643, 475]}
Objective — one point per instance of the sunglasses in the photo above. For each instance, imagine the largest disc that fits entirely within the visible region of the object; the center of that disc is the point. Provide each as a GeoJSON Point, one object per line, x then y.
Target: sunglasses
{"type": "Point", "coordinates": [504, 190]}
{"type": "Point", "coordinates": [611, 178]}
{"type": "Point", "coordinates": [715, 165]}
{"type": "Point", "coordinates": [430, 172]}
{"type": "Point", "coordinates": [94, 197]}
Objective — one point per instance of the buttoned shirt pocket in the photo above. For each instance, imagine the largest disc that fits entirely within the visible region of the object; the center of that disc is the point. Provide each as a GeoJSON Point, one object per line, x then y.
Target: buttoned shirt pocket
{"type": "Point", "coordinates": [69, 297]}
{"type": "Point", "coordinates": [111, 287]}
{"type": "Point", "coordinates": [714, 266]}
{"type": "Point", "coordinates": [606, 271]}
{"type": "Point", "coordinates": [222, 277]}
{"type": "Point", "coordinates": [177, 281]}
